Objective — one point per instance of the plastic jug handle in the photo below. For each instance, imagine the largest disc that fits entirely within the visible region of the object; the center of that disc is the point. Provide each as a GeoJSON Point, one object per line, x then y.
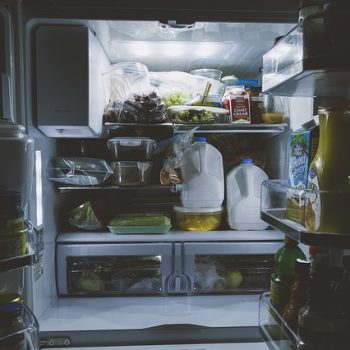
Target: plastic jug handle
{"type": "Point", "coordinates": [202, 162]}
{"type": "Point", "coordinates": [250, 180]}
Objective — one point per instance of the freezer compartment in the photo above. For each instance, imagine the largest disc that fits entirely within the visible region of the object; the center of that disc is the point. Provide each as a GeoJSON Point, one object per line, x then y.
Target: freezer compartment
{"type": "Point", "coordinates": [23, 334]}
{"type": "Point", "coordinates": [231, 268]}
{"type": "Point", "coordinates": [113, 269]}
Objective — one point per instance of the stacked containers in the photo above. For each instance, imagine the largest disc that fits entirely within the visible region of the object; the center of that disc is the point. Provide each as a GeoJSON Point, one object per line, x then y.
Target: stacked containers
{"type": "Point", "coordinates": [202, 192]}
{"type": "Point", "coordinates": [132, 154]}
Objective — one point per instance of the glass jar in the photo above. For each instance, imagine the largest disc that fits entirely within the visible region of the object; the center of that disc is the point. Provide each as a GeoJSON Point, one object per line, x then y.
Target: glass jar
{"type": "Point", "coordinates": [12, 323]}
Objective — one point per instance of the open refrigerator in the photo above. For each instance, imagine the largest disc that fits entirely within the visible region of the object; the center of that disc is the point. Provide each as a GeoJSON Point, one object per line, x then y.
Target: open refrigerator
{"type": "Point", "coordinates": [54, 54]}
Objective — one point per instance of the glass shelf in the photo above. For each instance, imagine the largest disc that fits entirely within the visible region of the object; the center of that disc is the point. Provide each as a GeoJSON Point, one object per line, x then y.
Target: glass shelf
{"type": "Point", "coordinates": [274, 202]}
{"type": "Point", "coordinates": [27, 337]}
{"type": "Point", "coordinates": [146, 188]}
{"type": "Point", "coordinates": [201, 128]}
{"type": "Point", "coordinates": [9, 262]}
{"type": "Point", "coordinates": [273, 329]}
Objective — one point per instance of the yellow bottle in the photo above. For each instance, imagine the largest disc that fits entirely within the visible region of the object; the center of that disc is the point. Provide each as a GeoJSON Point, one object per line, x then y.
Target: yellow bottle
{"type": "Point", "coordinates": [329, 173]}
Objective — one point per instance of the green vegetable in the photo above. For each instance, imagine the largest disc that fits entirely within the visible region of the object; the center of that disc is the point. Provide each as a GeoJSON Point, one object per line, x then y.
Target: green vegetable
{"type": "Point", "coordinates": [91, 282]}
{"type": "Point", "coordinates": [178, 98]}
{"type": "Point", "coordinates": [84, 217]}
{"type": "Point", "coordinates": [140, 220]}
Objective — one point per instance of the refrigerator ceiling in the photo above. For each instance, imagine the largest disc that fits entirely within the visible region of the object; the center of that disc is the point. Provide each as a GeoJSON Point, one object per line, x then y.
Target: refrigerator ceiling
{"type": "Point", "coordinates": [234, 48]}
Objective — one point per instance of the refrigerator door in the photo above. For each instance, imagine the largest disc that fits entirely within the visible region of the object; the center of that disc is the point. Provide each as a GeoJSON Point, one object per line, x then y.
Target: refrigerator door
{"type": "Point", "coordinates": [6, 68]}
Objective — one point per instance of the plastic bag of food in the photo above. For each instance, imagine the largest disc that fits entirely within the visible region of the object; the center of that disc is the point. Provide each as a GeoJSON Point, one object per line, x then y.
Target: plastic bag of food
{"type": "Point", "coordinates": [79, 171]}
{"type": "Point", "coordinates": [83, 217]}
{"type": "Point", "coordinates": [180, 145]}
{"type": "Point", "coordinates": [180, 88]}
{"type": "Point", "coordinates": [145, 108]}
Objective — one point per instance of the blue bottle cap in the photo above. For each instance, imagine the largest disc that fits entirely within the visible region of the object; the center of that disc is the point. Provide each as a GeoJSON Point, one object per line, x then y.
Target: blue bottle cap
{"type": "Point", "coordinates": [200, 139]}
{"type": "Point", "coordinates": [247, 161]}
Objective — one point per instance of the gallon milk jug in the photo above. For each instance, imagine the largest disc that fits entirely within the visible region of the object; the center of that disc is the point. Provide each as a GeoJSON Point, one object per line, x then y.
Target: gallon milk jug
{"type": "Point", "coordinates": [16, 160]}
{"type": "Point", "coordinates": [243, 186]}
{"type": "Point", "coordinates": [203, 176]}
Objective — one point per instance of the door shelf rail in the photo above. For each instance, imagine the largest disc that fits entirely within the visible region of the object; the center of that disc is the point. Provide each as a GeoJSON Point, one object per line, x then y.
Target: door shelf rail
{"type": "Point", "coordinates": [30, 234]}
{"type": "Point", "coordinates": [26, 336]}
{"type": "Point", "coordinates": [274, 330]}
{"type": "Point", "coordinates": [276, 196]}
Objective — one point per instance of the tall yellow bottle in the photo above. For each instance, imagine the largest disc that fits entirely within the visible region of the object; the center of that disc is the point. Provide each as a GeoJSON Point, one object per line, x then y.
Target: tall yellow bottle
{"type": "Point", "coordinates": [329, 210]}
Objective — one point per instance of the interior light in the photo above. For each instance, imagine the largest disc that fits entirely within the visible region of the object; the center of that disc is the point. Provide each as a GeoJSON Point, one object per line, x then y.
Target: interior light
{"type": "Point", "coordinates": [140, 49]}
{"type": "Point", "coordinates": [172, 49]}
{"type": "Point", "coordinates": [38, 189]}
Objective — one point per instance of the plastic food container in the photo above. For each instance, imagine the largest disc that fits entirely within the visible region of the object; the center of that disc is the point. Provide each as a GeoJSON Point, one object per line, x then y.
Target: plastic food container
{"type": "Point", "coordinates": [198, 219]}
{"type": "Point", "coordinates": [198, 114]}
{"type": "Point", "coordinates": [230, 80]}
{"type": "Point", "coordinates": [132, 173]}
{"type": "Point", "coordinates": [207, 73]}
{"type": "Point", "coordinates": [131, 148]}
{"type": "Point", "coordinates": [136, 230]}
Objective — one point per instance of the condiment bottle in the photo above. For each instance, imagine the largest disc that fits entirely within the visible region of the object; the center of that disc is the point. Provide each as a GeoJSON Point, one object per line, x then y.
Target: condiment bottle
{"type": "Point", "coordinates": [283, 275]}
{"type": "Point", "coordinates": [328, 211]}
{"type": "Point", "coordinates": [318, 327]}
{"type": "Point", "coordinates": [298, 294]}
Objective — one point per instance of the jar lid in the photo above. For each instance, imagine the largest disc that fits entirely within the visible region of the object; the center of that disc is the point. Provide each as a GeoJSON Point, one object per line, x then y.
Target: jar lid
{"type": "Point", "coordinates": [197, 210]}
{"type": "Point", "coordinates": [8, 127]}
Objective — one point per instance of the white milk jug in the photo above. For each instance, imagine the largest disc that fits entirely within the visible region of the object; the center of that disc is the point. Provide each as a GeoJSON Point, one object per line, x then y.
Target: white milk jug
{"type": "Point", "coordinates": [203, 176]}
{"type": "Point", "coordinates": [16, 160]}
{"type": "Point", "coordinates": [243, 191]}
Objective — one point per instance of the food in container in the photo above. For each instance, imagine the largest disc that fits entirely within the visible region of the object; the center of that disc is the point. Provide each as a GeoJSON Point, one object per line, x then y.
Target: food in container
{"type": "Point", "coordinates": [131, 173]}
{"type": "Point", "coordinates": [13, 244]}
{"type": "Point", "coordinates": [131, 148]}
{"type": "Point", "coordinates": [207, 73]}
{"type": "Point", "coordinates": [198, 219]}
{"type": "Point", "coordinates": [140, 224]}
{"type": "Point", "coordinates": [272, 117]}
{"type": "Point", "coordinates": [198, 114]}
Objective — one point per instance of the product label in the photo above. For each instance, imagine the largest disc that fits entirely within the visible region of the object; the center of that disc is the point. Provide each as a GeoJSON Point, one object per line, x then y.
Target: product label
{"type": "Point", "coordinates": [279, 294]}
{"type": "Point", "coordinates": [236, 100]}
{"type": "Point", "coordinates": [313, 207]}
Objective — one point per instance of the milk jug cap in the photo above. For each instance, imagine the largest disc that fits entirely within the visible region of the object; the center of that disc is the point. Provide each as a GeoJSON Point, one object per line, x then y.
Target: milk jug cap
{"type": "Point", "coordinates": [247, 161]}
{"type": "Point", "coordinates": [200, 139]}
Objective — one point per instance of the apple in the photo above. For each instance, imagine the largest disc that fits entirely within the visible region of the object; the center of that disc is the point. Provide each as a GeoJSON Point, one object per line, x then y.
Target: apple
{"type": "Point", "coordinates": [233, 279]}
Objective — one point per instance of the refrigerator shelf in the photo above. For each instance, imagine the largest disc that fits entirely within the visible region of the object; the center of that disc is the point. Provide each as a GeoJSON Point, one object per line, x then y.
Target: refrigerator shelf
{"type": "Point", "coordinates": [25, 337]}
{"type": "Point", "coordinates": [274, 210]}
{"type": "Point", "coordinates": [29, 258]}
{"type": "Point", "coordinates": [273, 329]}
{"type": "Point", "coordinates": [202, 128]}
{"type": "Point", "coordinates": [145, 188]}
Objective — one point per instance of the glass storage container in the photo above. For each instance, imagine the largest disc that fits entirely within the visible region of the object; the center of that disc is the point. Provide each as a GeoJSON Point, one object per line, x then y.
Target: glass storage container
{"type": "Point", "coordinates": [131, 148]}
{"type": "Point", "coordinates": [198, 219]}
{"type": "Point", "coordinates": [131, 173]}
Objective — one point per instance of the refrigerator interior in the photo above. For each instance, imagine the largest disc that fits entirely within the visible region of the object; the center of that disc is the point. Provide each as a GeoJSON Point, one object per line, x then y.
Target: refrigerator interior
{"type": "Point", "coordinates": [235, 48]}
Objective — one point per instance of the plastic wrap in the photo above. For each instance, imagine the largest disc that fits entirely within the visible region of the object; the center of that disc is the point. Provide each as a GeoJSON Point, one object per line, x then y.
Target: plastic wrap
{"type": "Point", "coordinates": [79, 171]}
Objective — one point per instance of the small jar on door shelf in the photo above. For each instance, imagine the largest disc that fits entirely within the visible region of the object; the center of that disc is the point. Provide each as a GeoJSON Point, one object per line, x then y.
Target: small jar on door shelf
{"type": "Point", "coordinates": [273, 109]}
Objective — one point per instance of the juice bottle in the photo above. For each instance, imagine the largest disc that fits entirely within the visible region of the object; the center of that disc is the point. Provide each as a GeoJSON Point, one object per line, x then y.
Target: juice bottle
{"type": "Point", "coordinates": [284, 273]}
{"type": "Point", "coordinates": [328, 210]}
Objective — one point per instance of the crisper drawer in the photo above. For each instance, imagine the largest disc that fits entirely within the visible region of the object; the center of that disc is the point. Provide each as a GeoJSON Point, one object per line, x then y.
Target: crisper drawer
{"type": "Point", "coordinates": [242, 267]}
{"type": "Point", "coordinates": [113, 269]}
